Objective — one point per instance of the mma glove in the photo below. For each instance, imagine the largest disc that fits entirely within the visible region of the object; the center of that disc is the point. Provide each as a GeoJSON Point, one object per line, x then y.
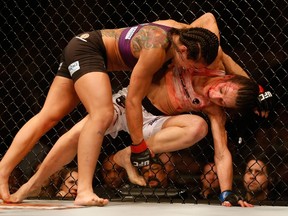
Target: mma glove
{"type": "Point", "coordinates": [140, 154]}
{"type": "Point", "coordinates": [230, 197]}
{"type": "Point", "coordinates": [264, 102]}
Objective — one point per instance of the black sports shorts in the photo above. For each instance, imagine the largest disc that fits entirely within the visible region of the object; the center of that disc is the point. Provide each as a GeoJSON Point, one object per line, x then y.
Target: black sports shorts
{"type": "Point", "coordinates": [84, 53]}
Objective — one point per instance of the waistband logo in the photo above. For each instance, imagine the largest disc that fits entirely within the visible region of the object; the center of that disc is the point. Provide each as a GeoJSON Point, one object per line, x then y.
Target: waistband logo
{"type": "Point", "coordinates": [130, 33]}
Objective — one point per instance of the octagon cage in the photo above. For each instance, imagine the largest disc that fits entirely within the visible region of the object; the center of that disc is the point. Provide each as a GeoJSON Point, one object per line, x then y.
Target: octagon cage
{"type": "Point", "coordinates": [253, 33]}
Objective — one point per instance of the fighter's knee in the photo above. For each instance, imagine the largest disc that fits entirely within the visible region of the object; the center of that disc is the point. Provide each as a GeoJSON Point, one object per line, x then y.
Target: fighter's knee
{"type": "Point", "coordinates": [203, 127]}
{"type": "Point", "coordinates": [48, 119]}
{"type": "Point", "coordinates": [200, 127]}
{"type": "Point", "coordinates": [108, 116]}
{"type": "Point", "coordinates": [104, 116]}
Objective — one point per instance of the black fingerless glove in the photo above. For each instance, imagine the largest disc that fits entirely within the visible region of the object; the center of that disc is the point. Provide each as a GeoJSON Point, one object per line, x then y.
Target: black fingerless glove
{"type": "Point", "coordinates": [230, 196]}
{"type": "Point", "coordinates": [140, 154]}
{"type": "Point", "coordinates": [264, 102]}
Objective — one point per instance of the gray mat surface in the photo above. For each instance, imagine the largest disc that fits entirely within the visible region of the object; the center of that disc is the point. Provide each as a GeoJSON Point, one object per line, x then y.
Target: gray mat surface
{"type": "Point", "coordinates": [63, 208]}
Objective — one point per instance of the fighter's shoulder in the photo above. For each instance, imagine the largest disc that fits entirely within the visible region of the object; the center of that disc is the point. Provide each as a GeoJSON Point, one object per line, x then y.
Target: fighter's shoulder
{"type": "Point", "coordinates": [111, 32]}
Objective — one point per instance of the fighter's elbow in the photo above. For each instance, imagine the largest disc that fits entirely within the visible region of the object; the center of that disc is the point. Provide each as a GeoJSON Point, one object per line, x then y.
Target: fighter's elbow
{"type": "Point", "coordinates": [209, 17]}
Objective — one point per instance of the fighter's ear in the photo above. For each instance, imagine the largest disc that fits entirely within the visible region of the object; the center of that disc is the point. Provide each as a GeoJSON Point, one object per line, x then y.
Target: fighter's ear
{"type": "Point", "coordinates": [182, 48]}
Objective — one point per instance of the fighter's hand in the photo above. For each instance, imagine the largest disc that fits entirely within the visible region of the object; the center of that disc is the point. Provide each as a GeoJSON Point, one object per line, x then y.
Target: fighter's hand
{"type": "Point", "coordinates": [264, 103]}
{"type": "Point", "coordinates": [228, 198]}
{"type": "Point", "coordinates": [140, 154]}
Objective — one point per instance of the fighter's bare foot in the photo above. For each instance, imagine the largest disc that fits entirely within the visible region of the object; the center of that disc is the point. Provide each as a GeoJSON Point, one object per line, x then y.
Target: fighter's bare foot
{"type": "Point", "coordinates": [4, 190]}
{"type": "Point", "coordinates": [90, 199]}
{"type": "Point", "coordinates": [23, 192]}
{"type": "Point", "coordinates": [122, 158]}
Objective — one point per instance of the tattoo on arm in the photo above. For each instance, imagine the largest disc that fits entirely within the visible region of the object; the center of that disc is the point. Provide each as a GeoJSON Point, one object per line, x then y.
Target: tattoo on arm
{"type": "Point", "coordinates": [150, 37]}
{"type": "Point", "coordinates": [110, 33]}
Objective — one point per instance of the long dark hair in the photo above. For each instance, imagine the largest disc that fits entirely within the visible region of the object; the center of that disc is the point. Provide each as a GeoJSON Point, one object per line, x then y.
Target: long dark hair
{"type": "Point", "coordinates": [247, 94]}
{"type": "Point", "coordinates": [202, 44]}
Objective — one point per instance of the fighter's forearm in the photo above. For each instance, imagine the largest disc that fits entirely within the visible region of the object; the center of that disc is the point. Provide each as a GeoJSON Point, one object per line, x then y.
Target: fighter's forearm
{"type": "Point", "coordinates": [223, 161]}
{"type": "Point", "coordinates": [135, 122]}
{"type": "Point", "coordinates": [222, 156]}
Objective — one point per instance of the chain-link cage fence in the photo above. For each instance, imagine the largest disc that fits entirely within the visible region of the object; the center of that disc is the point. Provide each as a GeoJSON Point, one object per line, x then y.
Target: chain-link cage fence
{"type": "Point", "coordinates": [253, 33]}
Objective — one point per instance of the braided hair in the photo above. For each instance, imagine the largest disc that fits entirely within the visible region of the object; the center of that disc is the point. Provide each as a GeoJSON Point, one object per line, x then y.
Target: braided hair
{"type": "Point", "coordinates": [201, 43]}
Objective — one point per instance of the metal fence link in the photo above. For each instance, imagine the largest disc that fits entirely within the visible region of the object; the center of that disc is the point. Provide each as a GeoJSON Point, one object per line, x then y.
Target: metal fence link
{"type": "Point", "coordinates": [253, 33]}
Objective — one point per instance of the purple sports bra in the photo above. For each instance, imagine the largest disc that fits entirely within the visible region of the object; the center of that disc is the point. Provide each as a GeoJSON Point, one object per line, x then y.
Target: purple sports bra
{"type": "Point", "coordinates": [125, 40]}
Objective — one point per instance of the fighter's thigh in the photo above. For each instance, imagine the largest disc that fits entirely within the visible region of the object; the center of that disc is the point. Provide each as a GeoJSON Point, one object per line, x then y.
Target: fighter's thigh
{"type": "Point", "coordinates": [61, 98]}
{"type": "Point", "coordinates": [152, 124]}
{"type": "Point", "coordinates": [94, 91]}
{"type": "Point", "coordinates": [185, 120]}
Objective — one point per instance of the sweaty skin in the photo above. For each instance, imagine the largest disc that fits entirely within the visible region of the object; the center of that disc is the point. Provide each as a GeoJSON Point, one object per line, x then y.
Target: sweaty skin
{"type": "Point", "coordinates": [55, 108]}
{"type": "Point", "coordinates": [178, 132]}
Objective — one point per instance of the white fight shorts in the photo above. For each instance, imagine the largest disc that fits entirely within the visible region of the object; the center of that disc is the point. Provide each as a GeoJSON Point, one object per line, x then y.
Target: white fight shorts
{"type": "Point", "coordinates": [151, 123]}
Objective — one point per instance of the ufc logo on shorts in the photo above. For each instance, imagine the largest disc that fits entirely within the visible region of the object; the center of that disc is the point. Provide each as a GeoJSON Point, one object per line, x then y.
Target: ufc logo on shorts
{"type": "Point", "coordinates": [141, 164]}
